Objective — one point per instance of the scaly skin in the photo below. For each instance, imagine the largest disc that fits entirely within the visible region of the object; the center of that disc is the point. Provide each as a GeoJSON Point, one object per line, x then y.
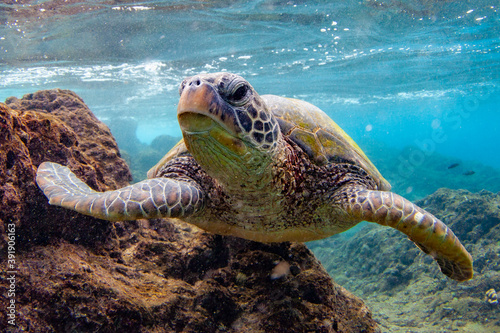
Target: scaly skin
{"type": "Point", "coordinates": [430, 234]}
{"type": "Point", "coordinates": [152, 198]}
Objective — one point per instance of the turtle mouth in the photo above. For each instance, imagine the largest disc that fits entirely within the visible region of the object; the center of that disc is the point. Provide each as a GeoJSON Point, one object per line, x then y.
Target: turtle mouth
{"type": "Point", "coordinates": [206, 121]}
{"type": "Point", "coordinates": [202, 129]}
{"type": "Point", "coordinates": [195, 122]}
{"type": "Point", "coordinates": [201, 108]}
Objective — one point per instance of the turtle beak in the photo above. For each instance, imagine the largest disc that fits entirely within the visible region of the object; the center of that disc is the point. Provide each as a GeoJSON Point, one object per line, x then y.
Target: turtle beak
{"type": "Point", "coordinates": [200, 108]}
{"type": "Point", "coordinates": [193, 109]}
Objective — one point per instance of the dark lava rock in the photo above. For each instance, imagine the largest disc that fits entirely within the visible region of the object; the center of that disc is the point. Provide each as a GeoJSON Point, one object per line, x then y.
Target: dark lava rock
{"type": "Point", "coordinates": [404, 287]}
{"type": "Point", "coordinates": [79, 274]}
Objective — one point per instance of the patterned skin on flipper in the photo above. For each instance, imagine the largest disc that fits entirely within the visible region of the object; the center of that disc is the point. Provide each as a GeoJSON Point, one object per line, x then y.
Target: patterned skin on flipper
{"type": "Point", "coordinates": [158, 197]}
{"type": "Point", "coordinates": [427, 232]}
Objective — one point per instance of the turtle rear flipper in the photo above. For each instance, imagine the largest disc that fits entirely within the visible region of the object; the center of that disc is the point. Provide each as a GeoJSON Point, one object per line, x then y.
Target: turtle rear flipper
{"type": "Point", "coordinates": [151, 198]}
{"type": "Point", "coordinates": [430, 234]}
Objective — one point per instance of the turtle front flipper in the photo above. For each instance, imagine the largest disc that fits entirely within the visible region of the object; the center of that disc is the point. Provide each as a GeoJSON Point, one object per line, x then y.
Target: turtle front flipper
{"type": "Point", "coordinates": [152, 198]}
{"type": "Point", "coordinates": [430, 234]}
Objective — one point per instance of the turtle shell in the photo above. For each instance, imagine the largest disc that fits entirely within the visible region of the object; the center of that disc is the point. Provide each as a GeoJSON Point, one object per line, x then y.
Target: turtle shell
{"type": "Point", "coordinates": [313, 131]}
{"type": "Point", "coordinates": [319, 136]}
{"type": "Point", "coordinates": [178, 150]}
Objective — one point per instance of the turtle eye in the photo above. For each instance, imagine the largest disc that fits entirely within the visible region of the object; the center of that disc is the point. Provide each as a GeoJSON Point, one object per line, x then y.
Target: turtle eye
{"type": "Point", "coordinates": [238, 92]}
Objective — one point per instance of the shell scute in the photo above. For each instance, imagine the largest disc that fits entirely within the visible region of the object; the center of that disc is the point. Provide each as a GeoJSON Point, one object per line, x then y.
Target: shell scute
{"type": "Point", "coordinates": [319, 136]}
{"type": "Point", "coordinates": [310, 144]}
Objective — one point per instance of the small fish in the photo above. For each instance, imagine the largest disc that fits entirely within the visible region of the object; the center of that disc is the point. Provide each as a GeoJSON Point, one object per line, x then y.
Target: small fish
{"type": "Point", "coordinates": [469, 173]}
{"type": "Point", "coordinates": [454, 165]}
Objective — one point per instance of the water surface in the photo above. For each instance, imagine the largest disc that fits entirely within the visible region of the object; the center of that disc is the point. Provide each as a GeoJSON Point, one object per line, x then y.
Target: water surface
{"type": "Point", "coordinates": [393, 74]}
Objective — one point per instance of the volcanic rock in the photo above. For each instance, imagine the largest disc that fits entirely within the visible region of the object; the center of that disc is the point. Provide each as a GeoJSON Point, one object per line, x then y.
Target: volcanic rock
{"type": "Point", "coordinates": [53, 125]}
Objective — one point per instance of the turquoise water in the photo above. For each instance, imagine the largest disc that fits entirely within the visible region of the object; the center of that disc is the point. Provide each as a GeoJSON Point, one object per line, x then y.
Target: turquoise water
{"type": "Point", "coordinates": [393, 74]}
{"type": "Point", "coordinates": [415, 83]}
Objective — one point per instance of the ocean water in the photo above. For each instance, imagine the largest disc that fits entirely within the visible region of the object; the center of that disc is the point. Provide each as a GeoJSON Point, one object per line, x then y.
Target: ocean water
{"type": "Point", "coordinates": [415, 83]}
{"type": "Point", "coordinates": [397, 73]}
{"type": "Point", "coordinates": [393, 74]}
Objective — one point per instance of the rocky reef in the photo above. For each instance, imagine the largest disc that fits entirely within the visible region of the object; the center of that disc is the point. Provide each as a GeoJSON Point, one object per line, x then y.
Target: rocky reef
{"type": "Point", "coordinates": [72, 273]}
{"type": "Point", "coordinates": [53, 126]}
{"type": "Point", "coordinates": [404, 287]}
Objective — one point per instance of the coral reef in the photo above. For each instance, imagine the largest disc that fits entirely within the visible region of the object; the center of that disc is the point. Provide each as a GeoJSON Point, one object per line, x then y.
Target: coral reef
{"type": "Point", "coordinates": [404, 288]}
{"type": "Point", "coordinates": [80, 274]}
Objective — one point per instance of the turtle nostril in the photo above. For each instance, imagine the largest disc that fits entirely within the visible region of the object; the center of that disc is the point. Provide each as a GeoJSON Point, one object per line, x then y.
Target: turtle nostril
{"type": "Point", "coordinates": [195, 82]}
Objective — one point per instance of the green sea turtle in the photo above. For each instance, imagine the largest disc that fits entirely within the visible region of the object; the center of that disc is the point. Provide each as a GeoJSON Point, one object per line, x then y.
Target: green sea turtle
{"type": "Point", "coordinates": [264, 168]}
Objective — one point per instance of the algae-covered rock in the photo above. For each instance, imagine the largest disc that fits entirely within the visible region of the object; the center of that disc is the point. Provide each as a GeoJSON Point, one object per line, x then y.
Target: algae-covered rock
{"type": "Point", "coordinates": [53, 125]}
{"type": "Point", "coordinates": [90, 136]}
{"type": "Point", "coordinates": [74, 273]}
{"type": "Point", "coordinates": [184, 282]}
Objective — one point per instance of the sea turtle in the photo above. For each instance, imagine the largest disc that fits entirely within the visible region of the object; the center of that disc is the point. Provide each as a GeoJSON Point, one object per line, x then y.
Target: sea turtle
{"type": "Point", "coordinates": [264, 168]}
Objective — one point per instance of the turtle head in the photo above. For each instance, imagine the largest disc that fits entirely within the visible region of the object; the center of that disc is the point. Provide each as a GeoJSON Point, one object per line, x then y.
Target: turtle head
{"type": "Point", "coordinates": [228, 101]}
{"type": "Point", "coordinates": [226, 124]}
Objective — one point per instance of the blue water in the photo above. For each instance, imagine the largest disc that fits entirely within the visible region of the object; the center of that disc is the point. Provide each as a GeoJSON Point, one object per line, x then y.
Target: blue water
{"type": "Point", "coordinates": [393, 74]}
{"type": "Point", "coordinates": [415, 83]}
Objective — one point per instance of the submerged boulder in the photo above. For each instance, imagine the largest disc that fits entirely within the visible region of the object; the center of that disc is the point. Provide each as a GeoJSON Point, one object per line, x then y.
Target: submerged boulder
{"type": "Point", "coordinates": [79, 274]}
{"type": "Point", "coordinates": [86, 134]}
{"type": "Point", "coordinates": [53, 125]}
